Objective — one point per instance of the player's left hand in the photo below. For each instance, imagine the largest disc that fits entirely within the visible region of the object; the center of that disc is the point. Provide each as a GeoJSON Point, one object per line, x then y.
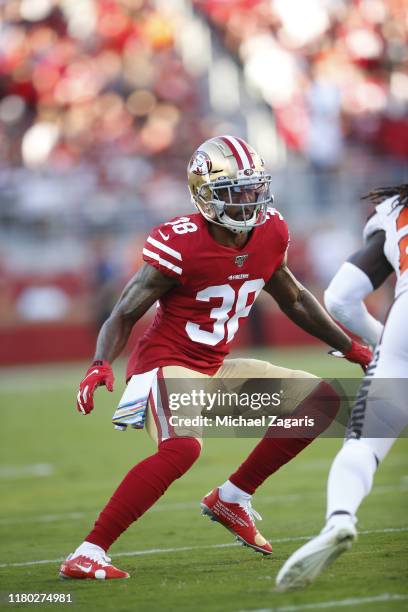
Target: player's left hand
{"type": "Point", "coordinates": [100, 373]}
{"type": "Point", "coordinates": [358, 353]}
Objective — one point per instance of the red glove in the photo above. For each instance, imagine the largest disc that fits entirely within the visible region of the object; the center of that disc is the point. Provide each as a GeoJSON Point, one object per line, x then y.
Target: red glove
{"type": "Point", "coordinates": [100, 373]}
{"type": "Point", "coordinates": [358, 353]}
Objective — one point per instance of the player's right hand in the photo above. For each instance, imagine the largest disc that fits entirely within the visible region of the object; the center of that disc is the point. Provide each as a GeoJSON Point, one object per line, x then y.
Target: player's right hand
{"type": "Point", "coordinates": [100, 373]}
{"type": "Point", "coordinates": [357, 353]}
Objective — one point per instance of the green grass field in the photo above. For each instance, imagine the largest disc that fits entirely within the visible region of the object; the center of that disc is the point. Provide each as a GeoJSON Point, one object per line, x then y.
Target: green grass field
{"type": "Point", "coordinates": [59, 468]}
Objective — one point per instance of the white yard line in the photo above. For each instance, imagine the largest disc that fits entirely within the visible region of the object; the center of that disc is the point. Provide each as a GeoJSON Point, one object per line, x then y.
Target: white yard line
{"type": "Point", "coordinates": [170, 507]}
{"type": "Point", "coordinates": [50, 377]}
{"type": "Point", "coordinates": [340, 603]}
{"type": "Point", "coordinates": [44, 518]}
{"type": "Point", "coordinates": [17, 388]}
{"type": "Point", "coordinates": [36, 470]}
{"type": "Point", "coordinates": [155, 551]}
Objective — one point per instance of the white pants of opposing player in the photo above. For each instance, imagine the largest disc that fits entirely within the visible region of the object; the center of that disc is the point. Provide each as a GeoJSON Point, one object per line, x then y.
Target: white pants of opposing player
{"type": "Point", "coordinates": [379, 415]}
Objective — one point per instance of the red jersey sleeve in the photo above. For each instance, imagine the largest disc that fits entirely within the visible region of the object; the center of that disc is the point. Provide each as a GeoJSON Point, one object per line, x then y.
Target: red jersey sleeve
{"type": "Point", "coordinates": [165, 249]}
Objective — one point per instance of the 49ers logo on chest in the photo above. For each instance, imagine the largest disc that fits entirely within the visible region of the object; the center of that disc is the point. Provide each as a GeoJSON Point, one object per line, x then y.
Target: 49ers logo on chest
{"type": "Point", "coordinates": [240, 260]}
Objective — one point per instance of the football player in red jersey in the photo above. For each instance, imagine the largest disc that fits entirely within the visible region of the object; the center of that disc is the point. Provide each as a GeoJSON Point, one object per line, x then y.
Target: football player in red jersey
{"type": "Point", "coordinates": [206, 271]}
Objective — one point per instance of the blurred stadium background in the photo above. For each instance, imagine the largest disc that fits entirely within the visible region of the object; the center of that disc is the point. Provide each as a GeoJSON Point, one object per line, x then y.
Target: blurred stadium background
{"type": "Point", "coordinates": [103, 102]}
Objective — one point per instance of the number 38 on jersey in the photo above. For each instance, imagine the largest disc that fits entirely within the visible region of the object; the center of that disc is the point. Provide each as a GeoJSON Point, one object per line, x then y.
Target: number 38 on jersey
{"type": "Point", "coordinates": [226, 318]}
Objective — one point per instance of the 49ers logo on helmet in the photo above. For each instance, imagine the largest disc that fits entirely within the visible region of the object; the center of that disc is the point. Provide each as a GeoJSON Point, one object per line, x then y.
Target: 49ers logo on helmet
{"type": "Point", "coordinates": [200, 163]}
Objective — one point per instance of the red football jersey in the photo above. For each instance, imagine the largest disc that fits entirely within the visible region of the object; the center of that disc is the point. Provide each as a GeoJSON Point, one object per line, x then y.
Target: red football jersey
{"type": "Point", "coordinates": [196, 321]}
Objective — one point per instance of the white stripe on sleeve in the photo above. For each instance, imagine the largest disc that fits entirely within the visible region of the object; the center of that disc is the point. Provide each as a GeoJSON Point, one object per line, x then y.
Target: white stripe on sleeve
{"type": "Point", "coordinates": [165, 248]}
{"type": "Point", "coordinates": [162, 262]}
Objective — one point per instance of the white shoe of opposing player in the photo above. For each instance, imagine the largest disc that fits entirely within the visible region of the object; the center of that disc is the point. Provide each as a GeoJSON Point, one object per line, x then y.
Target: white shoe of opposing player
{"type": "Point", "coordinates": [311, 559]}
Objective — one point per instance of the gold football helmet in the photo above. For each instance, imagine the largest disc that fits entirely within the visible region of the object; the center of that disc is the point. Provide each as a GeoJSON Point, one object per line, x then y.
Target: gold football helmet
{"type": "Point", "coordinates": [228, 183]}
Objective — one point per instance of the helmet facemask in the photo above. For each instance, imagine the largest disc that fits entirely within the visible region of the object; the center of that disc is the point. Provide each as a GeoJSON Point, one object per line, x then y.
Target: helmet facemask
{"type": "Point", "coordinates": [239, 204]}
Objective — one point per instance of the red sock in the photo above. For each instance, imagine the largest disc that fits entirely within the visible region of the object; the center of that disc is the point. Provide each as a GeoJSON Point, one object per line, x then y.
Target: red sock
{"type": "Point", "coordinates": [271, 453]}
{"type": "Point", "coordinates": [142, 487]}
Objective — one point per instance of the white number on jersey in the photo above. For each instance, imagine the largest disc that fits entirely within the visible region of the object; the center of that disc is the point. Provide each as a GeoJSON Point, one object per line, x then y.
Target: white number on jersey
{"type": "Point", "coordinates": [182, 225]}
{"type": "Point", "coordinates": [221, 313]}
{"type": "Point", "coordinates": [273, 211]}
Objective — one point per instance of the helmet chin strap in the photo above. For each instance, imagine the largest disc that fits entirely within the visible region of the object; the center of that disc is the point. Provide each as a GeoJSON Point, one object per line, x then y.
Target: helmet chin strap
{"type": "Point", "coordinates": [220, 218]}
{"type": "Point", "coordinates": [238, 230]}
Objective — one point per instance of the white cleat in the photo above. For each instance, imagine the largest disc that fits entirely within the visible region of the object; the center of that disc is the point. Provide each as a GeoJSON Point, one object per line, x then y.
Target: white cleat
{"type": "Point", "coordinates": [312, 558]}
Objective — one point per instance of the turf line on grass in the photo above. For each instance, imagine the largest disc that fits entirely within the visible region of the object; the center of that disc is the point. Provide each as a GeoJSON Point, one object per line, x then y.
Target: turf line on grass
{"type": "Point", "coordinates": [170, 507]}
{"type": "Point", "coordinates": [352, 601]}
{"type": "Point", "coordinates": [155, 551]}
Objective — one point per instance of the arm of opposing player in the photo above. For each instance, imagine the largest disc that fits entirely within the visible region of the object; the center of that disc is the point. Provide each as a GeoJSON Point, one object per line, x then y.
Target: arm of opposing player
{"type": "Point", "coordinates": [344, 301]}
{"type": "Point", "coordinates": [146, 286]}
{"type": "Point", "coordinates": [360, 275]}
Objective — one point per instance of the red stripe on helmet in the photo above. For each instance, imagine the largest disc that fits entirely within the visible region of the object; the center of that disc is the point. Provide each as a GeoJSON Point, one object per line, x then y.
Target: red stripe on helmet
{"type": "Point", "coordinates": [248, 154]}
{"type": "Point", "coordinates": [234, 151]}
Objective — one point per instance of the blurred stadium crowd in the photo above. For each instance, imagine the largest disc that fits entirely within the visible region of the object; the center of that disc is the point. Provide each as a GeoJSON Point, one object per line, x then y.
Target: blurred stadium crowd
{"type": "Point", "coordinates": [337, 62]}
{"type": "Point", "coordinates": [103, 101]}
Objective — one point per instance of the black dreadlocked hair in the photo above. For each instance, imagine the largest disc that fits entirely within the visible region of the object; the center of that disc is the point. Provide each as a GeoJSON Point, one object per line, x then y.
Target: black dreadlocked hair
{"type": "Point", "coordinates": [382, 193]}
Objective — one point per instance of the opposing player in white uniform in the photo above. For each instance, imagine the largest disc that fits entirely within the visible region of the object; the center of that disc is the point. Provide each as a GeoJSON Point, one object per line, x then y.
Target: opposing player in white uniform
{"type": "Point", "coordinates": [380, 412]}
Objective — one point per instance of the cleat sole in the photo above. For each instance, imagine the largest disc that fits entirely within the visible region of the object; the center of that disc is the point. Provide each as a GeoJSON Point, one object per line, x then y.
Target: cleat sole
{"type": "Point", "coordinates": [64, 577]}
{"type": "Point", "coordinates": [302, 575]}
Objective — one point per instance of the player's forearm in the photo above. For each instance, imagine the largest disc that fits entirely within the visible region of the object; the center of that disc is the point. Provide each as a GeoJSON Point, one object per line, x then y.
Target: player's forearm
{"type": "Point", "coordinates": [308, 314]}
{"type": "Point", "coordinates": [136, 299]}
{"type": "Point", "coordinates": [344, 301]}
{"type": "Point", "coordinates": [141, 292]}
{"type": "Point", "coordinates": [112, 337]}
